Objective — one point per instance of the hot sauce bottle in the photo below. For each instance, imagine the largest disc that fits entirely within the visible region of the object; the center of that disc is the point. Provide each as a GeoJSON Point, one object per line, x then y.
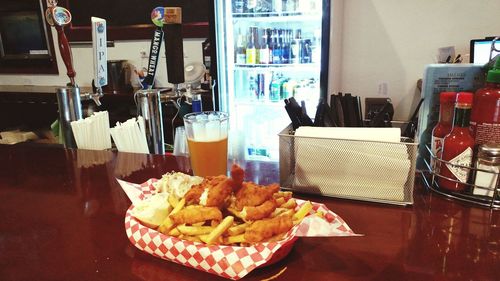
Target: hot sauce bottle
{"type": "Point", "coordinates": [458, 146]}
{"type": "Point", "coordinates": [485, 117]}
{"type": "Point", "coordinates": [443, 127]}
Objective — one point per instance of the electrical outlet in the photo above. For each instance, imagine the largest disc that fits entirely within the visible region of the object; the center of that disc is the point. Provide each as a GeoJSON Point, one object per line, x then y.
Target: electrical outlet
{"type": "Point", "coordinates": [382, 89]}
{"type": "Point", "coordinates": [144, 54]}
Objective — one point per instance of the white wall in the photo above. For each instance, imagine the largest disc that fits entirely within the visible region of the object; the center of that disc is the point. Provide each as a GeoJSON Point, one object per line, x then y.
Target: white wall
{"type": "Point", "coordinates": [392, 40]}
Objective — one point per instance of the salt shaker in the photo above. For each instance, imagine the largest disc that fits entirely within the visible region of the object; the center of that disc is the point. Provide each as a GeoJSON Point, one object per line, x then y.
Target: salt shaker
{"type": "Point", "coordinates": [488, 159]}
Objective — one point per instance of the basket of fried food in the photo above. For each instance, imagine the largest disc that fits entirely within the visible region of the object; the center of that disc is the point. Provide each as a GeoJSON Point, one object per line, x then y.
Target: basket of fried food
{"type": "Point", "coordinates": [222, 225]}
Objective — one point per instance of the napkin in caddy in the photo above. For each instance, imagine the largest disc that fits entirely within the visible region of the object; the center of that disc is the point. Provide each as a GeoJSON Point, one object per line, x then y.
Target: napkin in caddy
{"type": "Point", "coordinates": [231, 262]}
{"type": "Point", "coordinates": [369, 164]}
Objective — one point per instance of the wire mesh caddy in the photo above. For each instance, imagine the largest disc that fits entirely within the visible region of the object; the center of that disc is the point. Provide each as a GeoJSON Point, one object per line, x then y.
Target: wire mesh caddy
{"type": "Point", "coordinates": [430, 179]}
{"type": "Point", "coordinates": [373, 171]}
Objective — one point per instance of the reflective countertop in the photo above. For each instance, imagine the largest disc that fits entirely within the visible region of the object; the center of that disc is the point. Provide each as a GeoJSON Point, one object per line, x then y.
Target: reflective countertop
{"type": "Point", "coordinates": [62, 218]}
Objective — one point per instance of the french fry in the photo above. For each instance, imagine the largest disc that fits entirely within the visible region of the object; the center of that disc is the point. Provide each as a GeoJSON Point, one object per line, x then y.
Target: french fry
{"type": "Point", "coordinates": [204, 238]}
{"type": "Point", "coordinates": [280, 201]}
{"type": "Point", "coordinates": [235, 212]}
{"type": "Point", "coordinates": [320, 214]}
{"type": "Point", "coordinates": [278, 211]}
{"type": "Point", "coordinates": [193, 239]}
{"type": "Point", "coordinates": [284, 194]}
{"type": "Point", "coordinates": [217, 232]}
{"type": "Point", "coordinates": [179, 206]}
{"type": "Point", "coordinates": [194, 230]}
{"type": "Point", "coordinates": [198, 223]}
{"type": "Point", "coordinates": [235, 239]}
{"type": "Point", "coordinates": [237, 229]}
{"type": "Point", "coordinates": [168, 224]}
{"type": "Point", "coordinates": [173, 200]}
{"type": "Point", "coordinates": [174, 232]}
{"type": "Point", "coordinates": [302, 212]}
{"type": "Point", "coordinates": [288, 212]}
{"type": "Point", "coordinates": [290, 204]}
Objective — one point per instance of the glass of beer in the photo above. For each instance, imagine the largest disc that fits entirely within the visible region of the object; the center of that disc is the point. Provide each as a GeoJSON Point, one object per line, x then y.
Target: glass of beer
{"type": "Point", "coordinates": [206, 134]}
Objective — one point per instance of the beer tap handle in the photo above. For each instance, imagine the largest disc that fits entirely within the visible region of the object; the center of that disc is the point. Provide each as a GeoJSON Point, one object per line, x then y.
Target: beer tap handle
{"type": "Point", "coordinates": [59, 17]}
{"type": "Point", "coordinates": [157, 17]}
{"type": "Point", "coordinates": [65, 50]}
{"type": "Point", "coordinates": [174, 53]}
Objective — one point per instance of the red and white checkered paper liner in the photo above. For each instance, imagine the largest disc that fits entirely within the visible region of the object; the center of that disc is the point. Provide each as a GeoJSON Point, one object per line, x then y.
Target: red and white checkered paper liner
{"type": "Point", "coordinates": [227, 261]}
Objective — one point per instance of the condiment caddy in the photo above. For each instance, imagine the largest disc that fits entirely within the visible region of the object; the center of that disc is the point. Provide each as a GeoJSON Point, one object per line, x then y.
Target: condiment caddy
{"type": "Point", "coordinates": [464, 160]}
{"type": "Point", "coordinates": [482, 186]}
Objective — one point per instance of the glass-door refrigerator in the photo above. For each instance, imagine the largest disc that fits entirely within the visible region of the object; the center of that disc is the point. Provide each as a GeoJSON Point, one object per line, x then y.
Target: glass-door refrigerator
{"type": "Point", "coordinates": [267, 51]}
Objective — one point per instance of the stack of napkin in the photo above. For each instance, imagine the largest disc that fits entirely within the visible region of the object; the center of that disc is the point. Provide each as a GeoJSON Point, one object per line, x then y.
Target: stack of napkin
{"type": "Point", "coordinates": [351, 162]}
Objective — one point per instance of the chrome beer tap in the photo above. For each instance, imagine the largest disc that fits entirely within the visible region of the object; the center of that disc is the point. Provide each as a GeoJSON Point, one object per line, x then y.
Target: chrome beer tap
{"type": "Point", "coordinates": [68, 98]}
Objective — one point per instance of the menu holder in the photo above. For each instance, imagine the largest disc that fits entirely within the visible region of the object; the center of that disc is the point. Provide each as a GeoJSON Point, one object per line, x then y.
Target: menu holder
{"type": "Point", "coordinates": [375, 171]}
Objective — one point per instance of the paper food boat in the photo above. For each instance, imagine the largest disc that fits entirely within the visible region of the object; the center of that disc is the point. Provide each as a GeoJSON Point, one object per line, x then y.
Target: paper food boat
{"type": "Point", "coordinates": [231, 262]}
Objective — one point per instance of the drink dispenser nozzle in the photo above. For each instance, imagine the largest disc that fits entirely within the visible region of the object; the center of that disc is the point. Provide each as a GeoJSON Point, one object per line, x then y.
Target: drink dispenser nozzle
{"type": "Point", "coordinates": [172, 29]}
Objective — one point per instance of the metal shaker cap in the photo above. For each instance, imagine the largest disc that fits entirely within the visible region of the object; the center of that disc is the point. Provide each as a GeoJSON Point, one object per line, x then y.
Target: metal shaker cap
{"type": "Point", "coordinates": [489, 150]}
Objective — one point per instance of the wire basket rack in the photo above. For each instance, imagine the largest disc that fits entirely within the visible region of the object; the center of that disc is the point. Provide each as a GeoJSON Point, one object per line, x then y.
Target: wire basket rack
{"type": "Point", "coordinates": [430, 180]}
{"type": "Point", "coordinates": [375, 171]}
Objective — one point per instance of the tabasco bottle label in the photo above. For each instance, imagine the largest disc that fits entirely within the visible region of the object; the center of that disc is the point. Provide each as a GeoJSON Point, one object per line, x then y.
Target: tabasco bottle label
{"type": "Point", "coordinates": [462, 159]}
{"type": "Point", "coordinates": [436, 148]}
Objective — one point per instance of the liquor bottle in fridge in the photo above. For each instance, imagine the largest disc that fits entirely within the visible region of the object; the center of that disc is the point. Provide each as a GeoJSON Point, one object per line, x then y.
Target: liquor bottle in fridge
{"type": "Point", "coordinates": [267, 51]}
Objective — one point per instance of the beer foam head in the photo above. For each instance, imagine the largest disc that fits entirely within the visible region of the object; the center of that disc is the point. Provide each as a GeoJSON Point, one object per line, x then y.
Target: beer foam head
{"type": "Point", "coordinates": [206, 126]}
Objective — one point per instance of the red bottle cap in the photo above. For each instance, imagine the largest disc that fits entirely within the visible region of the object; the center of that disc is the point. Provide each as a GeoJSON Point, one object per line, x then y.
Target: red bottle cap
{"type": "Point", "coordinates": [465, 98]}
{"type": "Point", "coordinates": [447, 97]}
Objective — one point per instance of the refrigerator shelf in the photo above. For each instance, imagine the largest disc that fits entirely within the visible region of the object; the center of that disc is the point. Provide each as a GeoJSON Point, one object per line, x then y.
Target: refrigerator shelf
{"type": "Point", "coordinates": [299, 66]}
{"type": "Point", "coordinates": [277, 17]}
{"type": "Point", "coordinates": [265, 103]}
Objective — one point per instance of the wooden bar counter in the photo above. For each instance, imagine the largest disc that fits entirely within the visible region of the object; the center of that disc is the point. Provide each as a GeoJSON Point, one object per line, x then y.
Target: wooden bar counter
{"type": "Point", "coordinates": [62, 218]}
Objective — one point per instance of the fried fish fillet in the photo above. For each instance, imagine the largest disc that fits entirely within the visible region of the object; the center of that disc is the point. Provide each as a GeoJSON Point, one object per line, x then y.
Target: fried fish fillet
{"type": "Point", "coordinates": [264, 210]}
{"type": "Point", "coordinates": [195, 214]}
{"type": "Point", "coordinates": [267, 228]}
{"type": "Point", "coordinates": [194, 194]}
{"type": "Point", "coordinates": [252, 194]}
{"type": "Point", "coordinates": [218, 193]}
{"type": "Point", "coordinates": [211, 192]}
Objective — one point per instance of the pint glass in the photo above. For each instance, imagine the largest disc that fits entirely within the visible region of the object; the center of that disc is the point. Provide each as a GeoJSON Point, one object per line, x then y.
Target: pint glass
{"type": "Point", "coordinates": [207, 141]}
